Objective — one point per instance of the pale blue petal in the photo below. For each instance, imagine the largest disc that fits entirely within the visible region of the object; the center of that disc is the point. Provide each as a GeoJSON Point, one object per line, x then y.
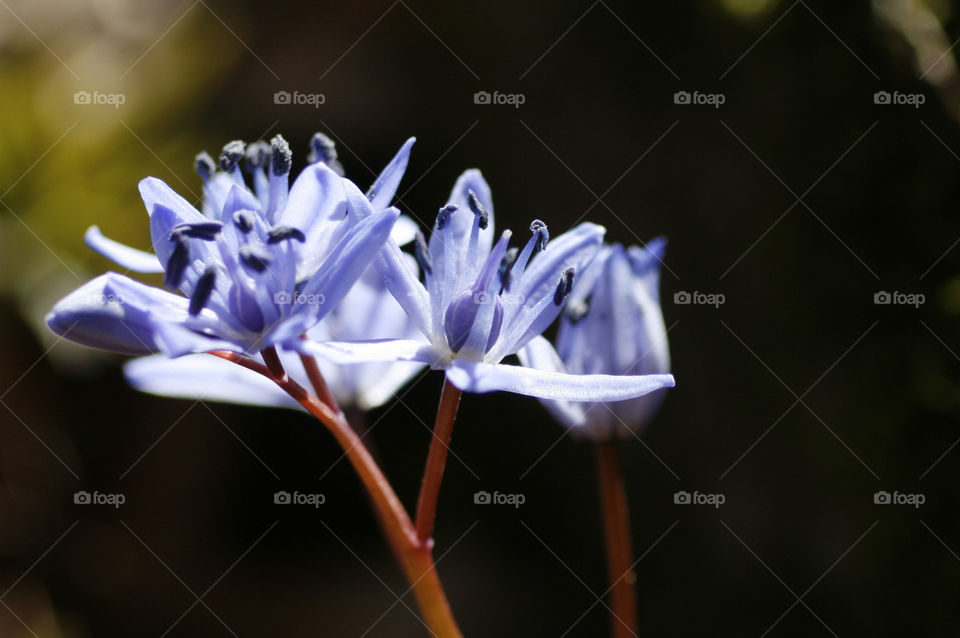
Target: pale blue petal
{"type": "Point", "coordinates": [204, 377]}
{"type": "Point", "coordinates": [347, 262]}
{"type": "Point", "coordinates": [540, 355]}
{"type": "Point", "coordinates": [174, 340]}
{"type": "Point", "coordinates": [116, 313]}
{"type": "Point", "coordinates": [123, 255]}
{"type": "Point", "coordinates": [349, 352]}
{"type": "Point", "coordinates": [386, 184]}
{"type": "Point", "coordinates": [404, 231]}
{"type": "Point", "coordinates": [471, 376]}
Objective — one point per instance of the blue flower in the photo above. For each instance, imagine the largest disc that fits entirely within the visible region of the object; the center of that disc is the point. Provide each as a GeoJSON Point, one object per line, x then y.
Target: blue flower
{"type": "Point", "coordinates": [258, 268]}
{"type": "Point", "coordinates": [482, 301]}
{"type": "Point", "coordinates": [368, 311]}
{"type": "Point", "coordinates": [612, 324]}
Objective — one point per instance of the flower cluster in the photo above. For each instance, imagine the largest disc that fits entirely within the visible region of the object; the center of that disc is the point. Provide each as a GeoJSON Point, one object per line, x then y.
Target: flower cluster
{"type": "Point", "coordinates": [305, 285]}
{"type": "Point", "coordinates": [315, 269]}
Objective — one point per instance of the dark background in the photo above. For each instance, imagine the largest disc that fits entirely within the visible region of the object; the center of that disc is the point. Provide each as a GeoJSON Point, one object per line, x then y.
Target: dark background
{"type": "Point", "coordinates": [797, 399]}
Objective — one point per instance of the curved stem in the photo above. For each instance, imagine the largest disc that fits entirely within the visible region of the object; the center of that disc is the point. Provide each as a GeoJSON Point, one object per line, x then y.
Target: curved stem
{"type": "Point", "coordinates": [319, 384]}
{"type": "Point", "coordinates": [436, 462]}
{"type": "Point", "coordinates": [415, 559]}
{"type": "Point", "coordinates": [616, 523]}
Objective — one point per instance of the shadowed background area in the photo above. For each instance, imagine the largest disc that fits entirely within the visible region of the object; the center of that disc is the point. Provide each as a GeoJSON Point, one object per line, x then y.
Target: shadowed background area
{"type": "Point", "coordinates": [794, 202]}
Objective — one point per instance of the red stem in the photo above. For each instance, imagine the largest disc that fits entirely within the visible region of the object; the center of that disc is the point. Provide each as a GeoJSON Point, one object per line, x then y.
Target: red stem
{"type": "Point", "coordinates": [436, 462]}
{"type": "Point", "coordinates": [616, 523]}
{"type": "Point", "coordinates": [415, 559]}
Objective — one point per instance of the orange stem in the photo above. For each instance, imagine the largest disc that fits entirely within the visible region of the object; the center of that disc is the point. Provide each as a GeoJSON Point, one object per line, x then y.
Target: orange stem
{"type": "Point", "coordinates": [616, 522]}
{"type": "Point", "coordinates": [415, 559]}
{"type": "Point", "coordinates": [436, 462]}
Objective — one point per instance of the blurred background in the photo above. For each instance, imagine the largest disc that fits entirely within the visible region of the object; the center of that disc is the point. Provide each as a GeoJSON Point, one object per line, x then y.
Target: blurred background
{"type": "Point", "coordinates": [801, 157]}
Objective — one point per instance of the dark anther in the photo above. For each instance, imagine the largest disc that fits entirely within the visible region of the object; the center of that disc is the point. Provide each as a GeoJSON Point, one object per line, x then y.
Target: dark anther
{"type": "Point", "coordinates": [177, 263]}
{"type": "Point", "coordinates": [444, 213]}
{"type": "Point", "coordinates": [477, 208]}
{"type": "Point", "coordinates": [280, 233]}
{"type": "Point", "coordinates": [322, 149]}
{"type": "Point", "coordinates": [232, 153]}
{"type": "Point", "coordinates": [423, 253]}
{"type": "Point", "coordinates": [207, 231]}
{"type": "Point", "coordinates": [201, 292]}
{"type": "Point", "coordinates": [282, 156]}
{"type": "Point", "coordinates": [243, 220]}
{"type": "Point", "coordinates": [539, 229]}
{"type": "Point", "coordinates": [564, 287]}
{"type": "Point", "coordinates": [204, 165]}
{"type": "Point", "coordinates": [255, 258]}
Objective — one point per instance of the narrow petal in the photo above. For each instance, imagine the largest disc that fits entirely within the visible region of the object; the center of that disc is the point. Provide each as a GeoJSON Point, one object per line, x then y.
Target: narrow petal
{"type": "Point", "coordinates": [524, 310]}
{"type": "Point", "coordinates": [175, 340]}
{"type": "Point", "coordinates": [347, 261]}
{"type": "Point", "coordinates": [203, 377]}
{"type": "Point", "coordinates": [385, 186]}
{"type": "Point", "coordinates": [315, 198]}
{"type": "Point", "coordinates": [540, 355]}
{"type": "Point", "coordinates": [471, 376]}
{"type": "Point", "coordinates": [347, 352]}
{"type": "Point", "coordinates": [123, 255]}
{"type": "Point", "coordinates": [116, 313]}
{"type": "Point", "coordinates": [404, 231]}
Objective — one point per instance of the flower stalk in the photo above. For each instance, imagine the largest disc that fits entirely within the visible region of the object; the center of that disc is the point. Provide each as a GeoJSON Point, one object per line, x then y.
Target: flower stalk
{"type": "Point", "coordinates": [415, 558]}
{"type": "Point", "coordinates": [436, 462]}
{"type": "Point", "coordinates": [616, 523]}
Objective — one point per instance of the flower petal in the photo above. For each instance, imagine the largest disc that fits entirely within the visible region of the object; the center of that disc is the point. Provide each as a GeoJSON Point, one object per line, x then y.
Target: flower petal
{"type": "Point", "coordinates": [114, 312]}
{"type": "Point", "coordinates": [347, 352]}
{"type": "Point", "coordinates": [385, 186]}
{"type": "Point", "coordinates": [349, 259]}
{"type": "Point", "coordinates": [123, 255]}
{"type": "Point", "coordinates": [205, 378]}
{"type": "Point", "coordinates": [404, 231]}
{"type": "Point", "coordinates": [175, 340]}
{"type": "Point", "coordinates": [392, 266]}
{"type": "Point", "coordinates": [524, 315]}
{"type": "Point", "coordinates": [540, 355]}
{"type": "Point", "coordinates": [471, 376]}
